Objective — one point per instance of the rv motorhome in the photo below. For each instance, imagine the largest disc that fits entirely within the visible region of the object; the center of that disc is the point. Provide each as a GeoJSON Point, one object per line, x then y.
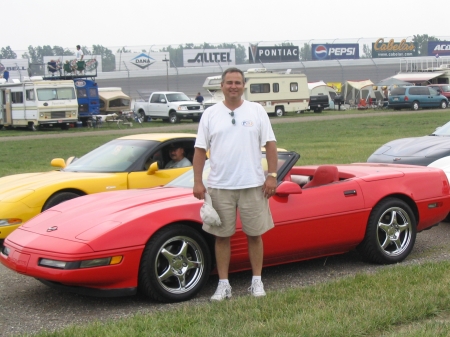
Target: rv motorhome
{"type": "Point", "coordinates": [278, 93]}
{"type": "Point", "coordinates": [35, 103]}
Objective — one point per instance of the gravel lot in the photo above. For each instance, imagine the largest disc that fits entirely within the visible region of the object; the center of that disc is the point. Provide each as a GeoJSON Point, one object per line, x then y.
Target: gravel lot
{"type": "Point", "coordinates": [29, 306]}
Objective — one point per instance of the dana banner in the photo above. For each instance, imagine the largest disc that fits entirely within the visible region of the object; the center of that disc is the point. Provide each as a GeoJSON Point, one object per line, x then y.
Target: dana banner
{"type": "Point", "coordinates": [381, 48]}
{"type": "Point", "coordinates": [438, 48]}
{"type": "Point", "coordinates": [258, 54]}
{"type": "Point", "coordinates": [141, 61]}
{"type": "Point", "coordinates": [338, 51]}
{"type": "Point", "coordinates": [208, 57]}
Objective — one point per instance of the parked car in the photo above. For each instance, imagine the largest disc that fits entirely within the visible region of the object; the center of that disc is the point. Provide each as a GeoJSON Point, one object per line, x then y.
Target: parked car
{"type": "Point", "coordinates": [443, 88]}
{"type": "Point", "coordinates": [415, 150]}
{"type": "Point", "coordinates": [120, 164]}
{"type": "Point", "coordinates": [151, 240]}
{"type": "Point", "coordinates": [416, 97]}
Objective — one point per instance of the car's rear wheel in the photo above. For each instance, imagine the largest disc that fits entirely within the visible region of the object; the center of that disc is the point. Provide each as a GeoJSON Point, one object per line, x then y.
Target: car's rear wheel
{"type": "Point", "coordinates": [279, 111]}
{"type": "Point", "coordinates": [175, 264]}
{"type": "Point", "coordinates": [390, 233]}
{"type": "Point", "coordinates": [59, 198]}
{"type": "Point", "coordinates": [415, 105]}
{"type": "Point", "coordinates": [443, 104]}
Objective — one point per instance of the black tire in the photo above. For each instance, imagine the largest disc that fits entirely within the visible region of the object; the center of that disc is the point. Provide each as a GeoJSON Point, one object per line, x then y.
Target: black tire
{"type": "Point", "coordinates": [279, 111]}
{"type": "Point", "coordinates": [443, 104]}
{"type": "Point", "coordinates": [173, 118]}
{"type": "Point", "coordinates": [59, 198]}
{"type": "Point", "coordinates": [182, 255]}
{"type": "Point", "coordinates": [415, 105]}
{"type": "Point", "coordinates": [390, 233]}
{"type": "Point", "coordinates": [196, 119]}
{"type": "Point", "coordinates": [142, 114]}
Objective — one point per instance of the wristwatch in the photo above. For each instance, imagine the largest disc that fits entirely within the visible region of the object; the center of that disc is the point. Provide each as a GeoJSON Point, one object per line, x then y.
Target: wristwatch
{"type": "Point", "coordinates": [274, 174]}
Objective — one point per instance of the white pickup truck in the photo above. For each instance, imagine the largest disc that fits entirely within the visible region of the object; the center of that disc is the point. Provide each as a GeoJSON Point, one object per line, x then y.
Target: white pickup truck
{"type": "Point", "coordinates": [169, 106]}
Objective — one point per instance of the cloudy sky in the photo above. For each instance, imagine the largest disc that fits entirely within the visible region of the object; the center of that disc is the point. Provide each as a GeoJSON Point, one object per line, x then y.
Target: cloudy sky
{"type": "Point", "coordinates": [146, 23]}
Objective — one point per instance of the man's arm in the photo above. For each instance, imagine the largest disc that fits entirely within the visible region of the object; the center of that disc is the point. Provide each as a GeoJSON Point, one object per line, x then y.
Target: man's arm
{"type": "Point", "coordinates": [198, 165]}
{"type": "Point", "coordinates": [270, 184]}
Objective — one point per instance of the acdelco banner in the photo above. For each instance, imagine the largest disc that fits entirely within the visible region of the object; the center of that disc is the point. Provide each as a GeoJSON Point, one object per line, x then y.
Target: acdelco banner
{"type": "Point", "coordinates": [258, 54]}
{"type": "Point", "coordinates": [438, 48]}
{"type": "Point", "coordinates": [382, 49]}
{"type": "Point", "coordinates": [337, 51]}
{"type": "Point", "coordinates": [208, 57]}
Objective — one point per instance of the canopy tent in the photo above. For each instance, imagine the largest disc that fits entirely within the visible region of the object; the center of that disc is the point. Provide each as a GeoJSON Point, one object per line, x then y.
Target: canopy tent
{"type": "Point", "coordinates": [417, 77]}
{"type": "Point", "coordinates": [392, 81]}
{"type": "Point", "coordinates": [356, 90]}
{"type": "Point", "coordinates": [113, 100]}
{"type": "Point", "coordinates": [321, 88]}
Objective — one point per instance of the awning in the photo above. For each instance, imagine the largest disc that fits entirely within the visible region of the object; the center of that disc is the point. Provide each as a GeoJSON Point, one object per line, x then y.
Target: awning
{"type": "Point", "coordinates": [417, 77]}
{"type": "Point", "coordinates": [110, 93]}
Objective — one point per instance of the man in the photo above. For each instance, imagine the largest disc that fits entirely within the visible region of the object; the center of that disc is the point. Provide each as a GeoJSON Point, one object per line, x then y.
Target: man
{"type": "Point", "coordinates": [234, 131]}
{"type": "Point", "coordinates": [199, 98]}
{"type": "Point", "coordinates": [79, 53]}
{"type": "Point", "coordinates": [176, 153]}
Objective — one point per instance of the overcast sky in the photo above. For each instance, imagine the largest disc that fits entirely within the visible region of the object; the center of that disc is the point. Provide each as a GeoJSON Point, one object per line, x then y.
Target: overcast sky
{"type": "Point", "coordinates": [114, 23]}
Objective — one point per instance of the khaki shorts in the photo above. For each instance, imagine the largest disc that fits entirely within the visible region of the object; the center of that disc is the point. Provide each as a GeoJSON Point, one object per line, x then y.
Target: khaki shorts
{"type": "Point", "coordinates": [253, 209]}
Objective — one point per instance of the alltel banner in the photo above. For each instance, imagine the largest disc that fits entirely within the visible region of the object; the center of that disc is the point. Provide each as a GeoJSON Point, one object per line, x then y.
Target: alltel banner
{"type": "Point", "coordinates": [208, 57]}
{"type": "Point", "coordinates": [439, 48]}
{"type": "Point", "coordinates": [333, 51]}
{"type": "Point", "coordinates": [258, 54]}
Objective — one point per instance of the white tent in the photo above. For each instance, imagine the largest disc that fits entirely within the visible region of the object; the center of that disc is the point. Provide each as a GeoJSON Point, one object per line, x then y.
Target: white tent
{"type": "Point", "coordinates": [356, 90]}
{"type": "Point", "coordinates": [321, 88]}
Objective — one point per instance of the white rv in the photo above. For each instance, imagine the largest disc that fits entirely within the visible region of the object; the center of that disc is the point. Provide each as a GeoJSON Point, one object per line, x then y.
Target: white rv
{"type": "Point", "coordinates": [278, 93]}
{"type": "Point", "coordinates": [35, 103]}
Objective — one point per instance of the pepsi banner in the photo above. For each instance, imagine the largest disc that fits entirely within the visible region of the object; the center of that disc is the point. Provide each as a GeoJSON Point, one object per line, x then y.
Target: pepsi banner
{"type": "Point", "coordinates": [338, 51]}
{"type": "Point", "coordinates": [438, 48]}
{"type": "Point", "coordinates": [258, 54]}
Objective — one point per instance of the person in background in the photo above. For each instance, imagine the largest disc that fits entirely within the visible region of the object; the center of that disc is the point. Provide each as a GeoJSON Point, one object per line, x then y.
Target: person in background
{"type": "Point", "coordinates": [176, 153]}
{"type": "Point", "coordinates": [234, 131]}
{"type": "Point", "coordinates": [79, 54]}
{"type": "Point", "coordinates": [199, 98]}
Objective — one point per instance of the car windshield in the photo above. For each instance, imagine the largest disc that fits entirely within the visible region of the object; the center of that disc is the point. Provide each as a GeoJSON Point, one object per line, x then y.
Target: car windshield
{"type": "Point", "coordinates": [115, 156]}
{"type": "Point", "coordinates": [177, 97]}
{"type": "Point", "coordinates": [443, 131]}
{"type": "Point", "coordinates": [53, 94]}
{"type": "Point", "coordinates": [186, 180]}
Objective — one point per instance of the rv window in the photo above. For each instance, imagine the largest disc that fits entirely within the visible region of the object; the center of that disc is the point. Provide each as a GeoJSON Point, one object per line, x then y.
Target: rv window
{"type": "Point", "coordinates": [294, 87]}
{"type": "Point", "coordinates": [30, 95]}
{"type": "Point", "coordinates": [47, 94]}
{"type": "Point", "coordinates": [93, 92]}
{"type": "Point", "coordinates": [17, 97]}
{"type": "Point", "coordinates": [81, 92]}
{"type": "Point", "coordinates": [259, 88]}
{"type": "Point", "coordinates": [275, 87]}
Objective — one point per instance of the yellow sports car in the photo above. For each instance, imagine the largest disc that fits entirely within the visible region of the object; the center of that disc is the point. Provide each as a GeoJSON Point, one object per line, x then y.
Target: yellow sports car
{"type": "Point", "coordinates": [136, 161]}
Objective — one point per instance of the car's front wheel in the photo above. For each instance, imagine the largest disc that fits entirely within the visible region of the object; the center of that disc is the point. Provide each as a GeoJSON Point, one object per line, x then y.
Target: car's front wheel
{"type": "Point", "coordinates": [444, 104]}
{"type": "Point", "coordinates": [390, 233]}
{"type": "Point", "coordinates": [59, 198]}
{"type": "Point", "coordinates": [415, 106]}
{"type": "Point", "coordinates": [173, 118]}
{"type": "Point", "coordinates": [175, 264]}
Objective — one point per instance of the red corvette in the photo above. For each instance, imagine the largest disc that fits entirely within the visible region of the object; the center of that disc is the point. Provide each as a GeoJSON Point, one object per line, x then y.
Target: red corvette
{"type": "Point", "coordinates": [116, 243]}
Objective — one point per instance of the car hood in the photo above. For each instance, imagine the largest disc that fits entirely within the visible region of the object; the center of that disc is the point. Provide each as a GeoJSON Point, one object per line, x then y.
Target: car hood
{"type": "Point", "coordinates": [112, 219]}
{"type": "Point", "coordinates": [10, 186]}
{"type": "Point", "coordinates": [427, 146]}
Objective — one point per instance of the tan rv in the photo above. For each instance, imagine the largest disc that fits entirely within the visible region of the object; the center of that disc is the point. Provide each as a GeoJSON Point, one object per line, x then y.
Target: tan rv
{"type": "Point", "coordinates": [113, 100]}
{"type": "Point", "coordinates": [278, 93]}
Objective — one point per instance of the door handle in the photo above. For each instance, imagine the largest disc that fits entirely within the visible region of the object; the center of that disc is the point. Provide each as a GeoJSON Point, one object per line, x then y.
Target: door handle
{"type": "Point", "coordinates": [350, 192]}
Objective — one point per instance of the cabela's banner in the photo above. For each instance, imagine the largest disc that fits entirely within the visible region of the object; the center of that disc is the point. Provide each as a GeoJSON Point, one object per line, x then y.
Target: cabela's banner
{"type": "Point", "coordinates": [382, 49]}
{"type": "Point", "coordinates": [259, 54]}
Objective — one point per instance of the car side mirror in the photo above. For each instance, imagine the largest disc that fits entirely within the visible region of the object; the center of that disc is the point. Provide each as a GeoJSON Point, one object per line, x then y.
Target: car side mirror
{"type": "Point", "coordinates": [153, 168]}
{"type": "Point", "coordinates": [58, 162]}
{"type": "Point", "coordinates": [288, 187]}
{"type": "Point", "coordinates": [163, 100]}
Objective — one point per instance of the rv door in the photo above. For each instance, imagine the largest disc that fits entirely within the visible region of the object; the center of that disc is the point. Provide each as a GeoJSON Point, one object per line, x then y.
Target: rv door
{"type": "Point", "coordinates": [5, 107]}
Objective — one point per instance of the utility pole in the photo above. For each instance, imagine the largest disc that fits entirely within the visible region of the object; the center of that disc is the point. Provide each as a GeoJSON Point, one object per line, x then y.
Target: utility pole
{"type": "Point", "coordinates": [167, 70]}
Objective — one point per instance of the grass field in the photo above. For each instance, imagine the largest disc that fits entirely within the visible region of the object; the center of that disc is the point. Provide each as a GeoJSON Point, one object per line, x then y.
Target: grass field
{"type": "Point", "coordinates": [396, 301]}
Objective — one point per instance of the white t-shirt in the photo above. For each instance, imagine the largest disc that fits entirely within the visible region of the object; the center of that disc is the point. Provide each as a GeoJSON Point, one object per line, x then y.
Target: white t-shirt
{"type": "Point", "coordinates": [79, 54]}
{"type": "Point", "coordinates": [235, 150]}
{"type": "Point", "coordinates": [176, 164]}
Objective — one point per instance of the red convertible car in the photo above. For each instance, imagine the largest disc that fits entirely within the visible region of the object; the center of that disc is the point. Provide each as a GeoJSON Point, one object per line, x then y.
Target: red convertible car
{"type": "Point", "coordinates": [151, 240]}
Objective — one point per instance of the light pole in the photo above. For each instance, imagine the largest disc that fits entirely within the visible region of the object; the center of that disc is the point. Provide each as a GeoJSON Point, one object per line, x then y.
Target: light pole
{"type": "Point", "coordinates": [120, 57]}
{"type": "Point", "coordinates": [167, 70]}
{"type": "Point", "coordinates": [150, 49]}
{"type": "Point", "coordinates": [334, 40]}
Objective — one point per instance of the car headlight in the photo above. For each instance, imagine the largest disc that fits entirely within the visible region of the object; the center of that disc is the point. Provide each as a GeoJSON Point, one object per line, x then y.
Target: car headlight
{"type": "Point", "coordinates": [10, 221]}
{"type": "Point", "coordinates": [182, 108]}
{"type": "Point", "coordinates": [106, 261]}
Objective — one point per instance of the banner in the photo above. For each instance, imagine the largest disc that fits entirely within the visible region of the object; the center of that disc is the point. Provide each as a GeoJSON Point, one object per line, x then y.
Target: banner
{"type": "Point", "coordinates": [338, 51]}
{"type": "Point", "coordinates": [209, 57]}
{"type": "Point", "coordinates": [438, 48]}
{"type": "Point", "coordinates": [258, 54]}
{"type": "Point", "coordinates": [381, 49]}
{"type": "Point", "coordinates": [142, 61]}
{"type": "Point", "coordinates": [17, 68]}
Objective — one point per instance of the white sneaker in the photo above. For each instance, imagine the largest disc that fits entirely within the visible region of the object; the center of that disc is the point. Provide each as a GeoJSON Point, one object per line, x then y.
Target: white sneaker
{"type": "Point", "coordinates": [223, 291]}
{"type": "Point", "coordinates": [257, 289]}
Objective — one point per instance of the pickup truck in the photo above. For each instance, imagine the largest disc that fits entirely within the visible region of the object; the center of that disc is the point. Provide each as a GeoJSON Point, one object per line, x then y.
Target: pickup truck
{"type": "Point", "coordinates": [169, 106]}
{"type": "Point", "coordinates": [318, 103]}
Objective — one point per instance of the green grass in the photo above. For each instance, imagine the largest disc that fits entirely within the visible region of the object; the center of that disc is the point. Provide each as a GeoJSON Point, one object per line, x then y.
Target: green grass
{"type": "Point", "coordinates": [396, 301]}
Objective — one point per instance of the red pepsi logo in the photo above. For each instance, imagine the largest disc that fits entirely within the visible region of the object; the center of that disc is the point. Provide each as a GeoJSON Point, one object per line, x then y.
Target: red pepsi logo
{"type": "Point", "coordinates": [321, 52]}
